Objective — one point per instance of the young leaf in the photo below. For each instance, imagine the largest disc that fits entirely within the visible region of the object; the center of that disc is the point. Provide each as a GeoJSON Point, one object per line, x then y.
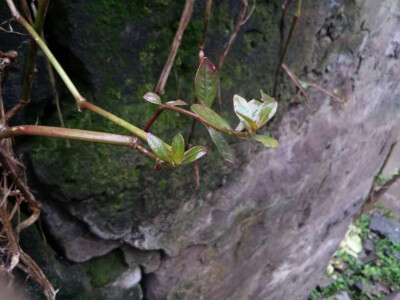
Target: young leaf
{"type": "Point", "coordinates": [206, 82]}
{"type": "Point", "coordinates": [176, 103]}
{"type": "Point", "coordinates": [152, 98]}
{"type": "Point", "coordinates": [243, 111]}
{"type": "Point", "coordinates": [178, 148]}
{"type": "Point", "coordinates": [265, 98]}
{"type": "Point", "coordinates": [211, 116]}
{"type": "Point", "coordinates": [248, 123]}
{"type": "Point", "coordinates": [222, 145]}
{"type": "Point", "coordinates": [194, 154]}
{"type": "Point", "coordinates": [266, 112]}
{"type": "Point", "coordinates": [266, 140]}
{"type": "Point", "coordinates": [159, 148]}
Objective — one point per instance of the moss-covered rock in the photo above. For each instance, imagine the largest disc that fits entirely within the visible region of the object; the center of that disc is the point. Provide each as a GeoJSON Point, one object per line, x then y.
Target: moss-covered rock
{"type": "Point", "coordinates": [115, 53]}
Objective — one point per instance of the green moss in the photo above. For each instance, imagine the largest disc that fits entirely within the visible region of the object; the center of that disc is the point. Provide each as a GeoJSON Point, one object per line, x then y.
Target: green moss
{"type": "Point", "coordinates": [105, 269]}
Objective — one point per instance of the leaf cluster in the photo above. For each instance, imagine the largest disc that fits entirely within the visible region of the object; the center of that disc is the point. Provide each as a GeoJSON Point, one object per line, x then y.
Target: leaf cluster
{"type": "Point", "coordinates": [252, 116]}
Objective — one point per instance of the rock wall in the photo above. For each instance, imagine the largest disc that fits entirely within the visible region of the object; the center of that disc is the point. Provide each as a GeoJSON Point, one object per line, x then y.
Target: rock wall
{"type": "Point", "coordinates": [263, 229]}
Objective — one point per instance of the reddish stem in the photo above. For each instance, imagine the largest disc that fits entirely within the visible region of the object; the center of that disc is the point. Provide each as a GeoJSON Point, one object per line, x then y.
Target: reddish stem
{"type": "Point", "coordinates": [153, 118]}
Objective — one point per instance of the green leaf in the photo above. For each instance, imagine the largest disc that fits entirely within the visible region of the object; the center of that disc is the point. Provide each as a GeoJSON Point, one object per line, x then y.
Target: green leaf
{"type": "Point", "coordinates": [222, 145]}
{"type": "Point", "coordinates": [266, 140]}
{"type": "Point", "coordinates": [206, 82]}
{"type": "Point", "coordinates": [243, 111]}
{"type": "Point", "coordinates": [194, 154]}
{"type": "Point", "coordinates": [152, 98]}
{"type": "Point", "coordinates": [178, 148]}
{"type": "Point", "coordinates": [304, 84]}
{"type": "Point", "coordinates": [265, 98]}
{"type": "Point", "coordinates": [211, 116]}
{"type": "Point", "coordinates": [265, 113]}
{"type": "Point", "coordinates": [176, 103]}
{"type": "Point", "coordinates": [159, 148]}
{"type": "Point", "coordinates": [248, 123]}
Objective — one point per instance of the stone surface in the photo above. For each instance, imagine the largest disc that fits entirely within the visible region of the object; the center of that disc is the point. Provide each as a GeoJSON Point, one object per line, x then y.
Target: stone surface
{"type": "Point", "coordinates": [74, 240]}
{"type": "Point", "coordinates": [385, 227]}
{"type": "Point", "coordinates": [148, 260]}
{"type": "Point", "coordinates": [391, 198]}
{"type": "Point", "coordinates": [342, 296]}
{"type": "Point", "coordinates": [267, 227]}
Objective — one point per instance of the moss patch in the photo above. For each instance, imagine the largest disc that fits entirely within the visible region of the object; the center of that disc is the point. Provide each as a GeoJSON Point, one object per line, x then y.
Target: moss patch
{"type": "Point", "coordinates": [105, 269]}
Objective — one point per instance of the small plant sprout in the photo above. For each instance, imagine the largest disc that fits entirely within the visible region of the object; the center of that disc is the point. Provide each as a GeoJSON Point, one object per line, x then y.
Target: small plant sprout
{"type": "Point", "coordinates": [176, 154]}
{"type": "Point", "coordinates": [252, 116]}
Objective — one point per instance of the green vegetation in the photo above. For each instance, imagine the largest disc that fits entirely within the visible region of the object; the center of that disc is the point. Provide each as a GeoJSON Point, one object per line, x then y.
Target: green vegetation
{"type": "Point", "coordinates": [371, 280]}
{"type": "Point", "coordinates": [105, 269]}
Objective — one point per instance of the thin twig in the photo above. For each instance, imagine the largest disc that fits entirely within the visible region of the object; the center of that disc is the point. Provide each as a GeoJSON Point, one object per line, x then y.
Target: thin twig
{"type": "Point", "coordinates": [333, 96]}
{"type": "Point", "coordinates": [296, 16]}
{"type": "Point", "coordinates": [234, 33]}
{"type": "Point", "coordinates": [26, 11]}
{"type": "Point", "coordinates": [31, 59]}
{"type": "Point", "coordinates": [285, 8]}
{"type": "Point", "coordinates": [153, 118]}
{"type": "Point", "coordinates": [205, 26]}
{"type": "Point", "coordinates": [185, 18]}
{"type": "Point", "coordinates": [56, 98]}
{"type": "Point", "coordinates": [12, 31]}
{"type": "Point", "coordinates": [197, 172]}
{"type": "Point", "coordinates": [296, 81]}
{"type": "Point", "coordinates": [232, 38]}
{"type": "Point", "coordinates": [12, 169]}
{"type": "Point", "coordinates": [253, 7]}
{"type": "Point", "coordinates": [302, 91]}
{"type": "Point", "coordinates": [37, 274]}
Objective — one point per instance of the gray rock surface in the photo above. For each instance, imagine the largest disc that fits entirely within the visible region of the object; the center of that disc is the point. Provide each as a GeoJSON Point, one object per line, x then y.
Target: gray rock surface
{"type": "Point", "coordinates": [74, 240]}
{"type": "Point", "coordinates": [385, 227]}
{"type": "Point", "coordinates": [342, 296]}
{"type": "Point", "coordinates": [285, 215]}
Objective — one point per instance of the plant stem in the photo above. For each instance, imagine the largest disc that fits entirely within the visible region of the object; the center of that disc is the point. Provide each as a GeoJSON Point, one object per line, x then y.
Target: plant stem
{"type": "Point", "coordinates": [117, 120]}
{"type": "Point", "coordinates": [296, 81]}
{"type": "Point", "coordinates": [71, 87]}
{"type": "Point", "coordinates": [296, 16]}
{"type": "Point", "coordinates": [31, 60]}
{"type": "Point", "coordinates": [56, 98]}
{"type": "Point", "coordinates": [285, 7]}
{"type": "Point", "coordinates": [239, 22]}
{"type": "Point", "coordinates": [76, 134]}
{"type": "Point", "coordinates": [185, 18]}
{"type": "Point", "coordinates": [205, 122]}
{"type": "Point", "coordinates": [81, 101]}
{"type": "Point", "coordinates": [206, 20]}
{"type": "Point", "coordinates": [153, 118]}
{"type": "Point", "coordinates": [232, 38]}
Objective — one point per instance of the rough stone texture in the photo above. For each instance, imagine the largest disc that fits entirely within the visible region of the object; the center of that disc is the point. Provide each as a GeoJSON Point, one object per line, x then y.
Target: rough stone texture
{"type": "Point", "coordinates": [148, 260]}
{"type": "Point", "coordinates": [266, 228]}
{"type": "Point", "coordinates": [273, 229]}
{"type": "Point", "coordinates": [391, 198]}
{"type": "Point", "coordinates": [76, 242]}
{"type": "Point", "coordinates": [386, 227]}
